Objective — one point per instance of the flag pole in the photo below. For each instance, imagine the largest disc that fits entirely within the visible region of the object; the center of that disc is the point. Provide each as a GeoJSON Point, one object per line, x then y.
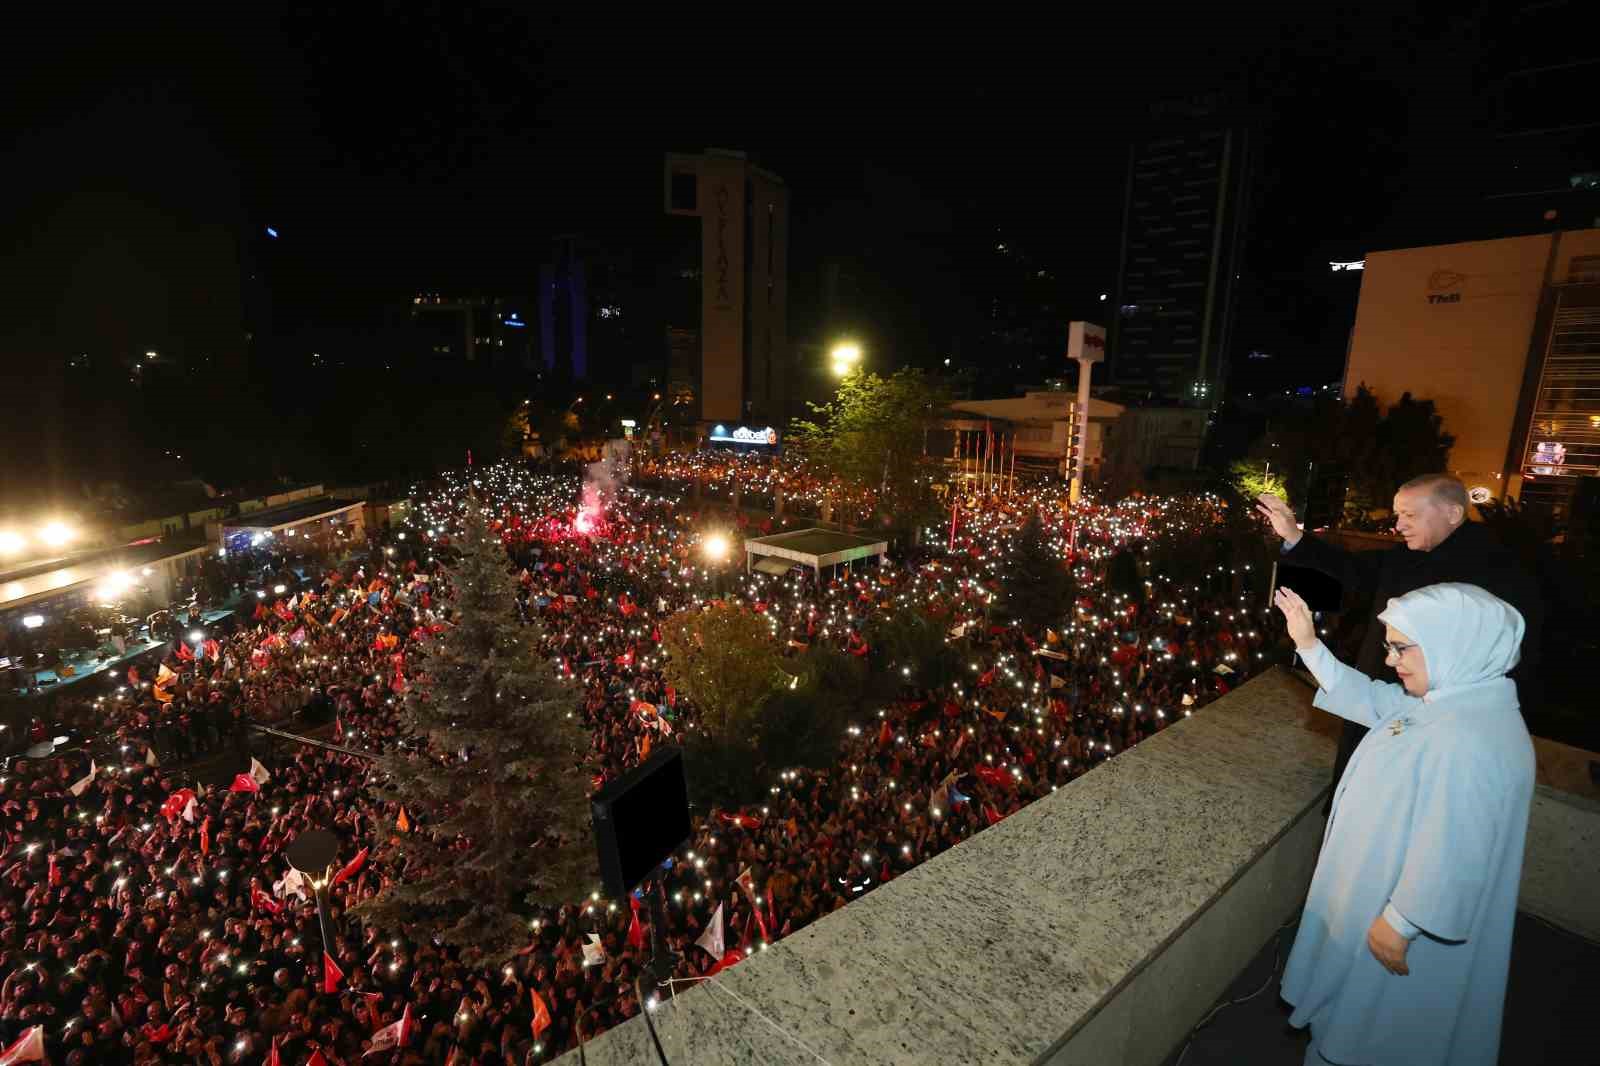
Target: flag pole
{"type": "Point", "coordinates": [322, 916]}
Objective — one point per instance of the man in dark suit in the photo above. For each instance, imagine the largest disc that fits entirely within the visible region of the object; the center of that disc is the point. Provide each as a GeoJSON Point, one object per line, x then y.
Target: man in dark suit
{"type": "Point", "coordinates": [1441, 545]}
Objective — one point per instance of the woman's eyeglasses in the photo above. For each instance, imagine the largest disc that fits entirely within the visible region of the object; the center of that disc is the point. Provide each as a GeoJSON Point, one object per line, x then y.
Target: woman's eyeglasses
{"type": "Point", "coordinates": [1397, 649]}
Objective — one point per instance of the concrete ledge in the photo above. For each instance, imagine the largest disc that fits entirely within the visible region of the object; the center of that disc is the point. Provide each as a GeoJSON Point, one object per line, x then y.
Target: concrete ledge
{"type": "Point", "coordinates": [1093, 928]}
{"type": "Point", "coordinates": [1561, 866]}
{"type": "Point", "coordinates": [1045, 939]}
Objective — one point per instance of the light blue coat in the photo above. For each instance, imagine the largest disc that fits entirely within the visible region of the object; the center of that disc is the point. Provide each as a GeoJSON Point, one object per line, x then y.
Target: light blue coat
{"type": "Point", "coordinates": [1427, 829]}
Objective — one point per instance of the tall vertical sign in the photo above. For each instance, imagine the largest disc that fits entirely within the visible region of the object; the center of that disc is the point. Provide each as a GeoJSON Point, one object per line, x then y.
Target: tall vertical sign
{"type": "Point", "coordinates": [1086, 345]}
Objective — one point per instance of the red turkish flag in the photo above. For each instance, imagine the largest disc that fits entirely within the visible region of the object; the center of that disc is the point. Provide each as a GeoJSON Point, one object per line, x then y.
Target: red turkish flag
{"type": "Point", "coordinates": [331, 974]}
{"type": "Point", "coordinates": [264, 902]}
{"type": "Point", "coordinates": [351, 869]}
{"type": "Point", "coordinates": [635, 928]}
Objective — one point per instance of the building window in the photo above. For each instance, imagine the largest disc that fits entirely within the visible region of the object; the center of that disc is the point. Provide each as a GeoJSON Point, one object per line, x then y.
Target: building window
{"type": "Point", "coordinates": [685, 194]}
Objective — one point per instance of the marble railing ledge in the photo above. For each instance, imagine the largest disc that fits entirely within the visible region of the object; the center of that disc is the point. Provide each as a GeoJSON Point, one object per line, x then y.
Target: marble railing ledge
{"type": "Point", "coordinates": [997, 951]}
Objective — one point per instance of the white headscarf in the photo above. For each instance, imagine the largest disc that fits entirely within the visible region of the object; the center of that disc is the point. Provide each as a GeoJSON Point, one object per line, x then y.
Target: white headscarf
{"type": "Point", "coordinates": [1467, 635]}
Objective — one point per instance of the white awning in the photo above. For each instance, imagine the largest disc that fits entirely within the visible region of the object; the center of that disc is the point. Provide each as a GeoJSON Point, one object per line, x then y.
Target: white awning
{"type": "Point", "coordinates": [769, 565]}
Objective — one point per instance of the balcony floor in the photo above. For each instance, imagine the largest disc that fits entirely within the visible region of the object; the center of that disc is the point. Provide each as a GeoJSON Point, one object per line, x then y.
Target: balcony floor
{"type": "Point", "coordinates": [1548, 1008]}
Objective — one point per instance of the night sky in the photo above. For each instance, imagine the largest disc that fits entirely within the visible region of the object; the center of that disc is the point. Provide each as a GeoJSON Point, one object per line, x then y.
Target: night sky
{"type": "Point", "coordinates": [439, 146]}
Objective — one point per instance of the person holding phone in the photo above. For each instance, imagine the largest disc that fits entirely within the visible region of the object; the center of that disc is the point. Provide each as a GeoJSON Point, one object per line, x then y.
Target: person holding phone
{"type": "Point", "coordinates": [1405, 940]}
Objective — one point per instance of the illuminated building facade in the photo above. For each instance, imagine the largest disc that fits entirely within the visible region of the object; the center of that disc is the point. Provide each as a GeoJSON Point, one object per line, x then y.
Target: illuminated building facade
{"type": "Point", "coordinates": [743, 365]}
{"type": "Point", "coordinates": [1504, 337]}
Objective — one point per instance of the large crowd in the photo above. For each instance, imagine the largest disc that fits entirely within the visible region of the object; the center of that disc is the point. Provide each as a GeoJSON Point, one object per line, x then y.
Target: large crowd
{"type": "Point", "coordinates": [147, 919]}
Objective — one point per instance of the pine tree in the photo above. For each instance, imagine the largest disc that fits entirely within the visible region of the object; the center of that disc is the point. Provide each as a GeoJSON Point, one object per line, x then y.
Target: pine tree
{"type": "Point", "coordinates": [494, 756]}
{"type": "Point", "coordinates": [1038, 587]}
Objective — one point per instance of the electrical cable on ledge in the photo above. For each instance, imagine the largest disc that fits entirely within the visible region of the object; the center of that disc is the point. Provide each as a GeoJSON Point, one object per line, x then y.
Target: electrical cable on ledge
{"type": "Point", "coordinates": [1277, 959]}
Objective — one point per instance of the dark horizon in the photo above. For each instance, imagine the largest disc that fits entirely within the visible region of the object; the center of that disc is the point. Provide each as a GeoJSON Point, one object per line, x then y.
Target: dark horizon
{"type": "Point", "coordinates": [402, 151]}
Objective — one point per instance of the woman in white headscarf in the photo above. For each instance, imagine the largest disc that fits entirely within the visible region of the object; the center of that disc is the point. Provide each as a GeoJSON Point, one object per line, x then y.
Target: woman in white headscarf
{"type": "Point", "coordinates": [1403, 947]}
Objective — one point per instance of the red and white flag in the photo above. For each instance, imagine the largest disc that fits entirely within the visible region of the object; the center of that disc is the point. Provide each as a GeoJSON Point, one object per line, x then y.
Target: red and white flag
{"type": "Point", "coordinates": [350, 869]}
{"type": "Point", "coordinates": [712, 940]}
{"type": "Point", "coordinates": [28, 1049]}
{"type": "Point", "coordinates": [244, 783]}
{"type": "Point", "coordinates": [264, 902]}
{"type": "Point", "coordinates": [393, 1036]}
{"type": "Point", "coordinates": [748, 883]}
{"type": "Point", "coordinates": [594, 952]}
{"type": "Point", "coordinates": [331, 974]}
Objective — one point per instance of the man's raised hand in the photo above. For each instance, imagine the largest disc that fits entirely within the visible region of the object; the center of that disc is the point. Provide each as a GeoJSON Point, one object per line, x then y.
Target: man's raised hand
{"type": "Point", "coordinates": [1276, 511]}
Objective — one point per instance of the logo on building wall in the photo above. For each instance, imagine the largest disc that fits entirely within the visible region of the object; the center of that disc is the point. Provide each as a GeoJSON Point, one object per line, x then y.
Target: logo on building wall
{"type": "Point", "coordinates": [1443, 286]}
{"type": "Point", "coordinates": [745, 435]}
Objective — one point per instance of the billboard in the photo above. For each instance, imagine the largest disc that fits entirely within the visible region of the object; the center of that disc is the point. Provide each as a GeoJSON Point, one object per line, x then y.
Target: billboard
{"type": "Point", "coordinates": [1086, 341]}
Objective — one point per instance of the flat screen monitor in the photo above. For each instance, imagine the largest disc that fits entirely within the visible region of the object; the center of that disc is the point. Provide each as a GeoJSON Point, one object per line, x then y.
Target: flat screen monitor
{"type": "Point", "coordinates": [640, 819]}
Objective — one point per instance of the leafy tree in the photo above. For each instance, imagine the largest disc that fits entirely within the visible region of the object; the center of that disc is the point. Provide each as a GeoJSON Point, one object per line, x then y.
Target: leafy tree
{"type": "Point", "coordinates": [1123, 575]}
{"type": "Point", "coordinates": [910, 640]}
{"type": "Point", "coordinates": [726, 660]}
{"type": "Point", "coordinates": [761, 713]}
{"type": "Point", "coordinates": [1038, 587]}
{"type": "Point", "coordinates": [1252, 477]}
{"type": "Point", "coordinates": [1375, 451]}
{"type": "Point", "coordinates": [497, 759]}
{"type": "Point", "coordinates": [872, 435]}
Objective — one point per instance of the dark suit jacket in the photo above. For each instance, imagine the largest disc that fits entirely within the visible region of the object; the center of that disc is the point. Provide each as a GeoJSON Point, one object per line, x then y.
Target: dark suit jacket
{"type": "Point", "coordinates": [1371, 579]}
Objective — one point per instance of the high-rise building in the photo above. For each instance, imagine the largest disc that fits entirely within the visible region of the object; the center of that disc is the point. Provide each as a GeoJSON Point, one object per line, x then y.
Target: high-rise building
{"type": "Point", "coordinates": [564, 310]}
{"type": "Point", "coordinates": [481, 331]}
{"type": "Point", "coordinates": [743, 366]}
{"type": "Point", "coordinates": [1541, 172]}
{"type": "Point", "coordinates": [1184, 221]}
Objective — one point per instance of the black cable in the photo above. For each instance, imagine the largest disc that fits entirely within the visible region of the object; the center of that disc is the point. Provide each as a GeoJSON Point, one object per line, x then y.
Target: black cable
{"type": "Point", "coordinates": [1277, 957]}
{"type": "Point", "coordinates": [650, 1024]}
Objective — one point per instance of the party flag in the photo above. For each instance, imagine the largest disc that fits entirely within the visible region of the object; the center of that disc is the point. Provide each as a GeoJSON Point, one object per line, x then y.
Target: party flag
{"type": "Point", "coordinates": [393, 1036]}
{"type": "Point", "coordinates": [541, 1013]}
{"type": "Point", "coordinates": [30, 1048]}
{"type": "Point", "coordinates": [258, 773]}
{"type": "Point", "coordinates": [712, 939]}
{"type": "Point", "coordinates": [403, 823]}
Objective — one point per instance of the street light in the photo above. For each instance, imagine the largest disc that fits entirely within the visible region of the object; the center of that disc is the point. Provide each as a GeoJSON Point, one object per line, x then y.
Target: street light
{"type": "Point", "coordinates": [716, 547]}
{"type": "Point", "coordinates": [845, 356]}
{"type": "Point", "coordinates": [56, 534]}
{"type": "Point", "coordinates": [10, 542]}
